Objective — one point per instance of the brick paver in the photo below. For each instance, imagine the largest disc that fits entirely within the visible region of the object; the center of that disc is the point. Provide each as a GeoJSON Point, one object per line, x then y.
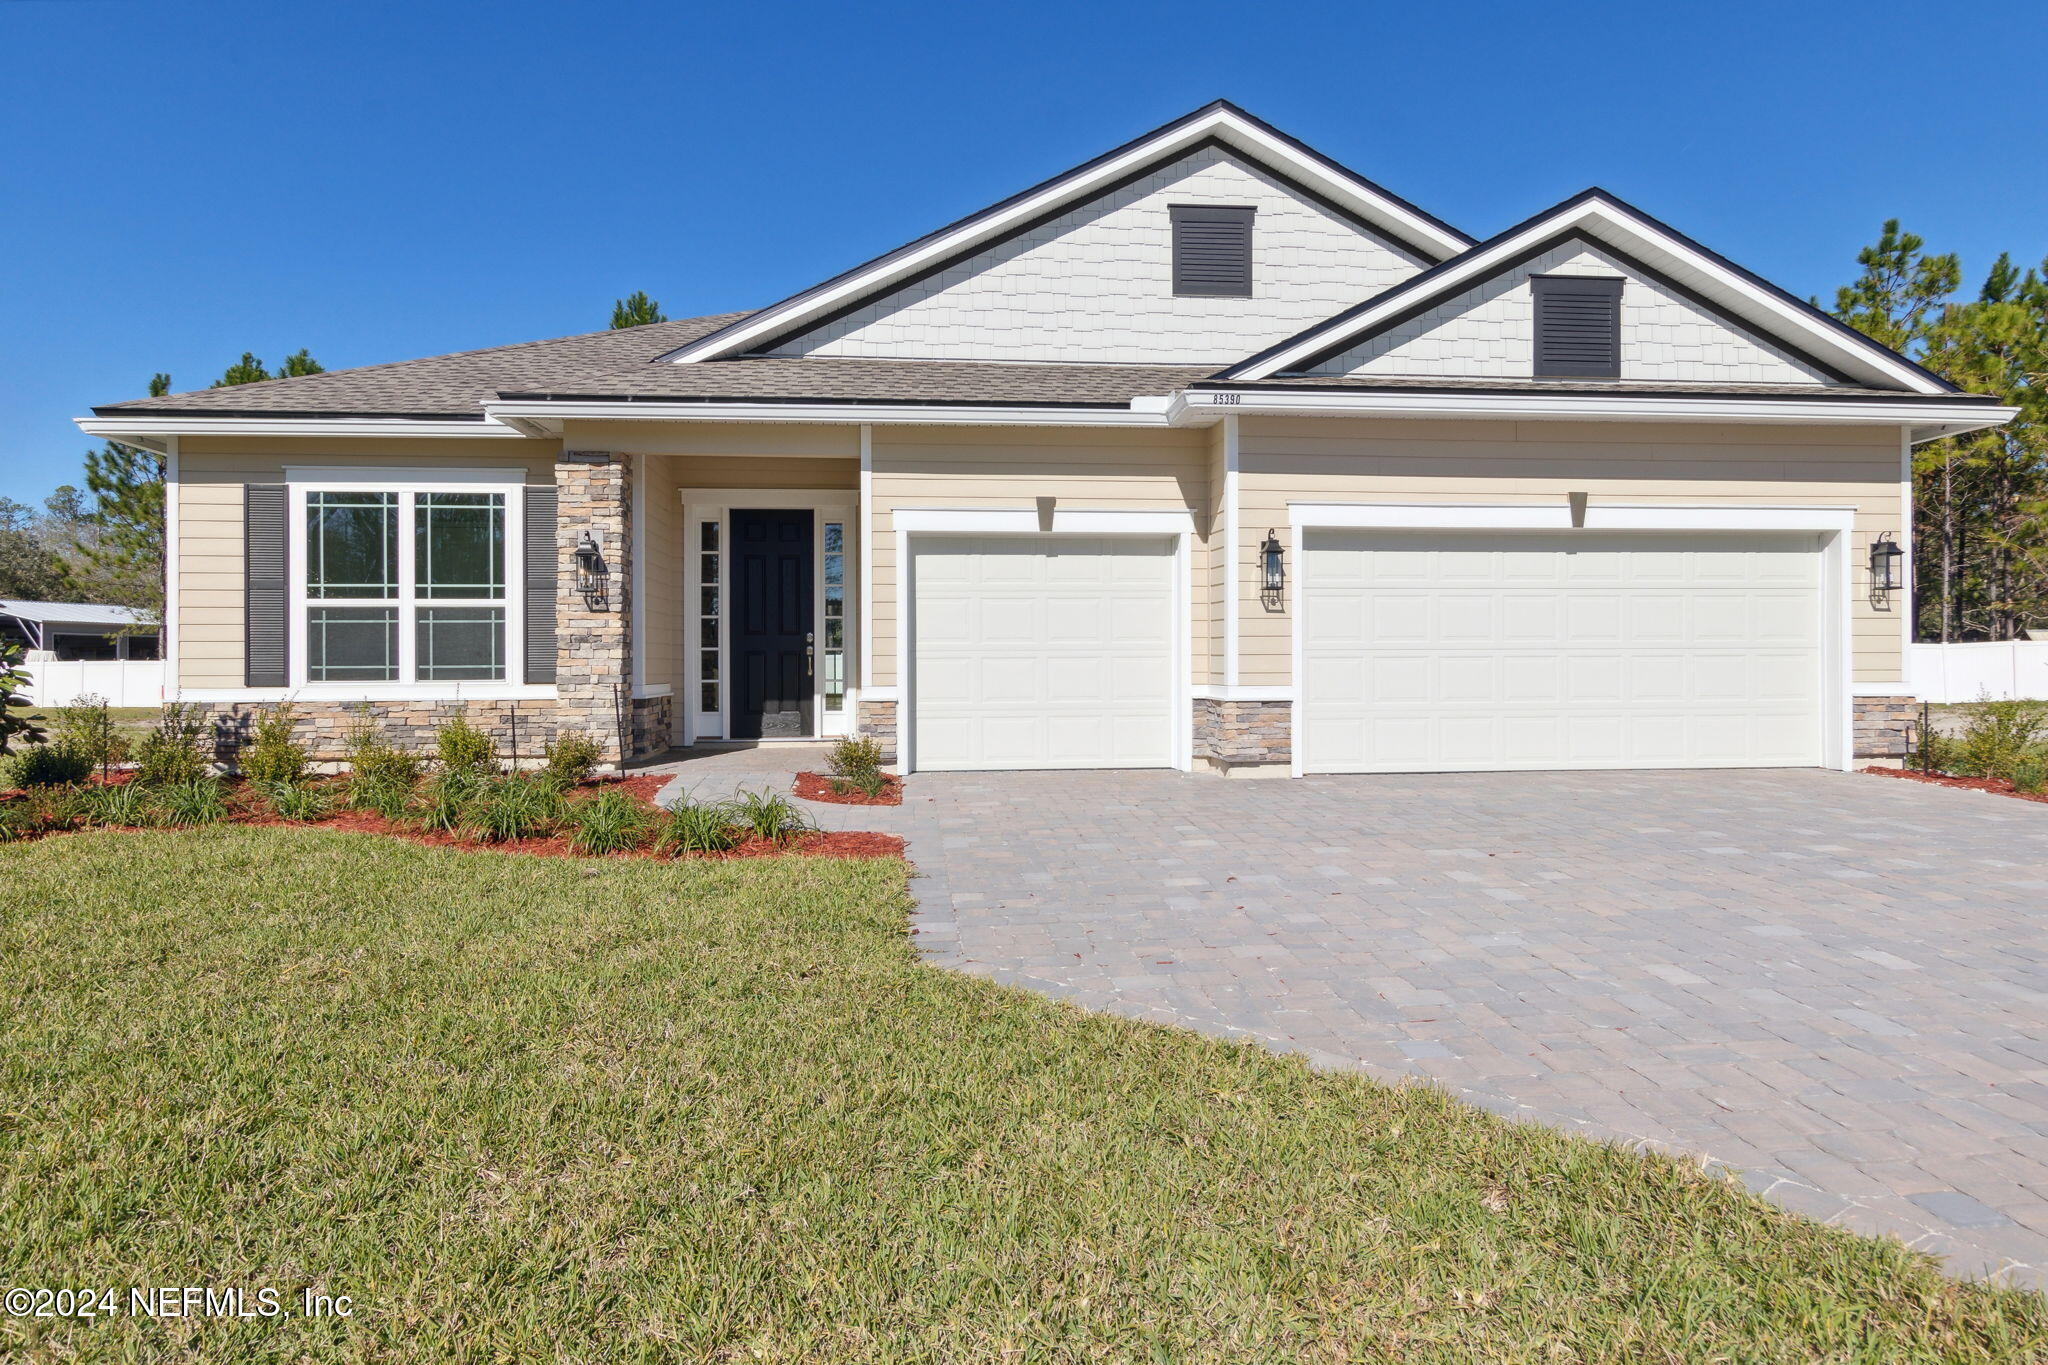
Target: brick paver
{"type": "Point", "coordinates": [1833, 982]}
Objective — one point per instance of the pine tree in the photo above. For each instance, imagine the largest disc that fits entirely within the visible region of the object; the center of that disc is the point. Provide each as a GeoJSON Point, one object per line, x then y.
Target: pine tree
{"type": "Point", "coordinates": [1894, 299]}
{"type": "Point", "coordinates": [117, 553]}
{"type": "Point", "coordinates": [301, 363]}
{"type": "Point", "coordinates": [636, 310]}
{"type": "Point", "coordinates": [247, 370]}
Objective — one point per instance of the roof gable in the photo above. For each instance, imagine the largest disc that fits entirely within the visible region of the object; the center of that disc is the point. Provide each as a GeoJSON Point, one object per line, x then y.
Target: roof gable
{"type": "Point", "coordinates": [1749, 307]}
{"type": "Point", "coordinates": [1220, 124]}
{"type": "Point", "coordinates": [1668, 334]}
{"type": "Point", "coordinates": [1096, 282]}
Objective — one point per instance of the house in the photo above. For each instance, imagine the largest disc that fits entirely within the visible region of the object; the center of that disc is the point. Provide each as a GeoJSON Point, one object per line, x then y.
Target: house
{"type": "Point", "coordinates": [1208, 454]}
{"type": "Point", "coordinates": [78, 649]}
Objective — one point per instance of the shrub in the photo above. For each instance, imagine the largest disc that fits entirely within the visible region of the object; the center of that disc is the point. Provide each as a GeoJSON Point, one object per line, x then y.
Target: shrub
{"type": "Point", "coordinates": [461, 747]}
{"type": "Point", "coordinates": [87, 725]}
{"type": "Point", "coordinates": [2029, 775]}
{"type": "Point", "coordinates": [172, 752]}
{"type": "Point", "coordinates": [1997, 736]}
{"type": "Point", "coordinates": [697, 829]}
{"type": "Point", "coordinates": [612, 822]}
{"type": "Point", "coordinates": [855, 761]}
{"type": "Point", "coordinates": [372, 759]}
{"type": "Point", "coordinates": [514, 807]}
{"type": "Point", "coordinates": [448, 797]}
{"type": "Point", "coordinates": [867, 784]}
{"type": "Point", "coordinates": [55, 764]}
{"type": "Point", "coordinates": [384, 794]}
{"type": "Point", "coordinates": [275, 757]}
{"type": "Point", "coordinates": [19, 820]}
{"type": "Point", "coordinates": [17, 727]}
{"type": "Point", "coordinates": [295, 801]}
{"type": "Point", "coordinates": [769, 815]}
{"type": "Point", "coordinates": [129, 804]}
{"type": "Point", "coordinates": [198, 802]}
{"type": "Point", "coordinates": [571, 758]}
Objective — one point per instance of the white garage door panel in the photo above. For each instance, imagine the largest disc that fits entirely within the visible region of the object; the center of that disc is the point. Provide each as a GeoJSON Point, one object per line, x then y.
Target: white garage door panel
{"type": "Point", "coordinates": [1427, 652]}
{"type": "Point", "coordinates": [1042, 652]}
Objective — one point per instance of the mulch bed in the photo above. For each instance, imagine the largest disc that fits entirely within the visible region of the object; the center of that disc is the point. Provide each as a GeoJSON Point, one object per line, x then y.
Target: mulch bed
{"type": "Point", "coordinates": [244, 810]}
{"type": "Point", "coordinates": [818, 787]}
{"type": "Point", "coordinates": [1996, 786]}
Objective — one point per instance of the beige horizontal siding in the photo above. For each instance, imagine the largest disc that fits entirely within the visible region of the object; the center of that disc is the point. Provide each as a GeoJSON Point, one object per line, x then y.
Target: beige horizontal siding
{"type": "Point", "coordinates": [1309, 460]}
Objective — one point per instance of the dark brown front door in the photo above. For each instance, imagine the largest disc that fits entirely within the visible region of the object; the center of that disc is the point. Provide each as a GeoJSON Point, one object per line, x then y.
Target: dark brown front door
{"type": "Point", "coordinates": [773, 651]}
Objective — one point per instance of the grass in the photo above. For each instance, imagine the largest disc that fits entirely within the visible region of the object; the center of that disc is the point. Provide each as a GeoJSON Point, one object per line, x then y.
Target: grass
{"type": "Point", "coordinates": [526, 1108]}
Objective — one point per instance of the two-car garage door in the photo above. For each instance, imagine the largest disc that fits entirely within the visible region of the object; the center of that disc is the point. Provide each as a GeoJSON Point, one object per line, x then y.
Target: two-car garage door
{"type": "Point", "coordinates": [1481, 651]}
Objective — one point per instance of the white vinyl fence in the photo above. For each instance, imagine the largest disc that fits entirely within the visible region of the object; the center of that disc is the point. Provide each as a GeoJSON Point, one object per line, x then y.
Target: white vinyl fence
{"type": "Point", "coordinates": [123, 682]}
{"type": "Point", "coordinates": [2003, 671]}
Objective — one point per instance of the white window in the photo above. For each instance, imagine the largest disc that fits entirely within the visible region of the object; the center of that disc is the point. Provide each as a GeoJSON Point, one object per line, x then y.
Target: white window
{"type": "Point", "coordinates": [404, 586]}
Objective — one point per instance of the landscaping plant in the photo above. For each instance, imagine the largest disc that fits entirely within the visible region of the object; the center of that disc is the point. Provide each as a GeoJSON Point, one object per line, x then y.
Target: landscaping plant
{"type": "Point", "coordinates": [55, 764]}
{"type": "Point", "coordinates": [87, 725]}
{"type": "Point", "coordinates": [15, 725]}
{"type": "Point", "coordinates": [2029, 775]}
{"type": "Point", "coordinates": [690, 828]}
{"type": "Point", "coordinates": [275, 757]}
{"type": "Point", "coordinates": [513, 807]}
{"type": "Point", "coordinates": [298, 802]}
{"type": "Point", "coordinates": [611, 822]}
{"type": "Point", "coordinates": [173, 753]}
{"type": "Point", "coordinates": [461, 747]}
{"type": "Point", "coordinates": [445, 801]}
{"type": "Point", "coordinates": [570, 758]}
{"type": "Point", "coordinates": [128, 805]}
{"type": "Point", "coordinates": [770, 816]}
{"type": "Point", "coordinates": [201, 801]}
{"type": "Point", "coordinates": [856, 759]}
{"type": "Point", "coordinates": [1997, 736]}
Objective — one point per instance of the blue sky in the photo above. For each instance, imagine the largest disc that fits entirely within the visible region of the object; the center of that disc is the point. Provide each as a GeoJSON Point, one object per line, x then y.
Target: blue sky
{"type": "Point", "coordinates": [179, 183]}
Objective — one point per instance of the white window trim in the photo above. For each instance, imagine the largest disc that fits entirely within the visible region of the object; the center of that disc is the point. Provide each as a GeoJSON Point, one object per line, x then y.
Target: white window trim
{"type": "Point", "coordinates": [718, 504]}
{"type": "Point", "coordinates": [510, 482]}
{"type": "Point", "coordinates": [1178, 525]}
{"type": "Point", "coordinates": [1833, 524]}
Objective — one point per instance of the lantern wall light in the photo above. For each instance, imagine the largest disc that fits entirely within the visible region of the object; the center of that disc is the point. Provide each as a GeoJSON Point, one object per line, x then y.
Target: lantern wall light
{"type": "Point", "coordinates": [1272, 572]}
{"type": "Point", "coordinates": [1885, 558]}
{"type": "Point", "coordinates": [593, 575]}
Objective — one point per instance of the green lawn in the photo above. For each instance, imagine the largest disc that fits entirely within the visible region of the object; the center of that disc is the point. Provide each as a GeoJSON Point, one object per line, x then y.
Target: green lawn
{"type": "Point", "coordinates": [524, 1109]}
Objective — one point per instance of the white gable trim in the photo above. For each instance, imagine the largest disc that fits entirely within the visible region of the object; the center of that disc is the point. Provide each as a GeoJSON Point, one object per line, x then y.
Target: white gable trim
{"type": "Point", "coordinates": [1615, 224]}
{"type": "Point", "coordinates": [1231, 126]}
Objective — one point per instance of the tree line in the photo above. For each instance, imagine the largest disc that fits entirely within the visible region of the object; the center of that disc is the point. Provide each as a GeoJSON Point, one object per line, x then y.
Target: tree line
{"type": "Point", "coordinates": [1980, 518]}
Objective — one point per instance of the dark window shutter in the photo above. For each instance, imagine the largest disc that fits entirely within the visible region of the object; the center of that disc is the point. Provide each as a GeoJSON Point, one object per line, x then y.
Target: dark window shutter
{"type": "Point", "coordinates": [1212, 250]}
{"type": "Point", "coordinates": [265, 593]}
{"type": "Point", "coordinates": [538, 576]}
{"type": "Point", "coordinates": [1578, 326]}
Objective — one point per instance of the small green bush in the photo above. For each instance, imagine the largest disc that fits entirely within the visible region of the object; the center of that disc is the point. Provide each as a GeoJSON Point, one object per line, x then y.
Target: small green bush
{"type": "Point", "coordinates": [87, 725]}
{"type": "Point", "coordinates": [2029, 775]}
{"type": "Point", "coordinates": [199, 802]}
{"type": "Point", "coordinates": [857, 760]}
{"type": "Point", "coordinates": [515, 807]}
{"type": "Point", "coordinates": [867, 784]}
{"type": "Point", "coordinates": [275, 757]}
{"type": "Point", "coordinates": [571, 758]}
{"type": "Point", "coordinates": [382, 794]}
{"type": "Point", "coordinates": [1997, 736]}
{"type": "Point", "coordinates": [372, 759]}
{"type": "Point", "coordinates": [461, 747]}
{"type": "Point", "coordinates": [770, 815]}
{"type": "Point", "coordinates": [19, 820]}
{"type": "Point", "coordinates": [295, 801]}
{"type": "Point", "coordinates": [173, 752]}
{"type": "Point", "coordinates": [445, 802]}
{"type": "Point", "coordinates": [612, 822]}
{"type": "Point", "coordinates": [129, 805]}
{"type": "Point", "coordinates": [56, 764]}
{"type": "Point", "coordinates": [697, 829]}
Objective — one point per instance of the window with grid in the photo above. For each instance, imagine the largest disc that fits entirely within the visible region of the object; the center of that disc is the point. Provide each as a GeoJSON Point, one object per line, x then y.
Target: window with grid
{"type": "Point", "coordinates": [835, 616]}
{"type": "Point", "coordinates": [708, 585]}
{"type": "Point", "coordinates": [405, 587]}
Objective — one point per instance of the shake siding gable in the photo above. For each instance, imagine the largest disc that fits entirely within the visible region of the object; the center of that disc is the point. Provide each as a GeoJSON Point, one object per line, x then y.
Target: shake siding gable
{"type": "Point", "coordinates": [1096, 283]}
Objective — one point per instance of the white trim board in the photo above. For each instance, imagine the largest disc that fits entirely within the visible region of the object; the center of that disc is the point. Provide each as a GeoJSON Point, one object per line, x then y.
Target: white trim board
{"type": "Point", "coordinates": [127, 428]}
{"type": "Point", "coordinates": [1078, 522]}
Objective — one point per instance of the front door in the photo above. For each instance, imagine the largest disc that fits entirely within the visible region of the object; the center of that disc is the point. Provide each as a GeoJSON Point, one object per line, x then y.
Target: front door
{"type": "Point", "coordinates": [773, 650]}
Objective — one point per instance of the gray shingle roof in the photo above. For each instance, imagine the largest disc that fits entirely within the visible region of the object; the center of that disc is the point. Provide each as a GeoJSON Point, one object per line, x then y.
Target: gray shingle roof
{"type": "Point", "coordinates": [71, 613]}
{"type": "Point", "coordinates": [627, 365]}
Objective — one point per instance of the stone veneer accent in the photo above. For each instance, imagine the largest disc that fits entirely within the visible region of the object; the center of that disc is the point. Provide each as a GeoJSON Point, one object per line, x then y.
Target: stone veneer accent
{"type": "Point", "coordinates": [1883, 725]}
{"type": "Point", "coordinates": [1235, 734]}
{"type": "Point", "coordinates": [877, 721]}
{"type": "Point", "coordinates": [593, 644]}
{"type": "Point", "coordinates": [324, 726]}
{"type": "Point", "coordinates": [654, 725]}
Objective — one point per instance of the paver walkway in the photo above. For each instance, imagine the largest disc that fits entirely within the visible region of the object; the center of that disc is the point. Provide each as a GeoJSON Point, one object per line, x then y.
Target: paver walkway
{"type": "Point", "coordinates": [1837, 983]}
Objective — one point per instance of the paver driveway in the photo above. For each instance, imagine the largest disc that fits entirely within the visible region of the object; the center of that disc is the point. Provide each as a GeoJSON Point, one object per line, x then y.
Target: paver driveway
{"type": "Point", "coordinates": [1834, 982]}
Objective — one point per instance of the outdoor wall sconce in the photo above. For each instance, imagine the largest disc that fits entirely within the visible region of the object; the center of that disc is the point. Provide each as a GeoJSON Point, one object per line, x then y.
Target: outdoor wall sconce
{"type": "Point", "coordinates": [593, 576]}
{"type": "Point", "coordinates": [1272, 572]}
{"type": "Point", "coordinates": [1885, 555]}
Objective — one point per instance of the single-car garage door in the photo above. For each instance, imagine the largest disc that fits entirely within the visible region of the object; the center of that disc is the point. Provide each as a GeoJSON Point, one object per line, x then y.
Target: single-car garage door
{"type": "Point", "coordinates": [1042, 652]}
{"type": "Point", "coordinates": [1480, 651]}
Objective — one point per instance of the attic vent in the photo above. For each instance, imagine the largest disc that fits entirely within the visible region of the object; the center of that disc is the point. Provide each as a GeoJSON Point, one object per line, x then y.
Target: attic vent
{"type": "Point", "coordinates": [1212, 251]}
{"type": "Point", "coordinates": [1578, 326]}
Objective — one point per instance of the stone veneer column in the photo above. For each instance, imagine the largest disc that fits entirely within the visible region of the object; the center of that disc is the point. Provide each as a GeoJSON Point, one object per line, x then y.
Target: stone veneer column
{"type": "Point", "coordinates": [876, 720]}
{"type": "Point", "coordinates": [1882, 724]}
{"type": "Point", "coordinates": [1245, 738]}
{"type": "Point", "coordinates": [593, 642]}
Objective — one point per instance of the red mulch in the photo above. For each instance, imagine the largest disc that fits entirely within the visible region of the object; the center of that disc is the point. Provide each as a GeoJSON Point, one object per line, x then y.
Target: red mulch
{"type": "Point", "coordinates": [818, 787]}
{"type": "Point", "coordinates": [818, 844]}
{"type": "Point", "coordinates": [1997, 786]}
